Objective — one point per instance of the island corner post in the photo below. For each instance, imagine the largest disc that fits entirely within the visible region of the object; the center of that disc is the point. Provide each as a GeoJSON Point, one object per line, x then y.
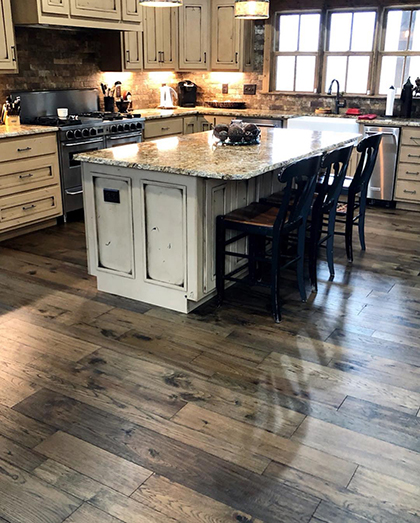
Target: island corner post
{"type": "Point", "coordinates": [151, 208]}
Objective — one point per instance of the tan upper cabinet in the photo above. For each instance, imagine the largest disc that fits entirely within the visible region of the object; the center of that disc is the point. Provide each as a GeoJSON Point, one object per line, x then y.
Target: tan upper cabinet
{"type": "Point", "coordinates": [7, 39]}
{"type": "Point", "coordinates": [194, 31]}
{"type": "Point", "coordinates": [160, 28]}
{"type": "Point", "coordinates": [131, 11]}
{"type": "Point", "coordinates": [108, 9]}
{"type": "Point", "coordinates": [133, 51]}
{"type": "Point", "coordinates": [226, 36]}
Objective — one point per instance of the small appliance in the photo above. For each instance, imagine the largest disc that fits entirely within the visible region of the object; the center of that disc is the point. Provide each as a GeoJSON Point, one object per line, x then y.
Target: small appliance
{"type": "Point", "coordinates": [187, 94]}
{"type": "Point", "coordinates": [167, 97]}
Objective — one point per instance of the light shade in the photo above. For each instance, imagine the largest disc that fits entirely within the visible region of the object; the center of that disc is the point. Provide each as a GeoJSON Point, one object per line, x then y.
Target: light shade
{"type": "Point", "coordinates": [161, 3]}
{"type": "Point", "coordinates": [252, 9]}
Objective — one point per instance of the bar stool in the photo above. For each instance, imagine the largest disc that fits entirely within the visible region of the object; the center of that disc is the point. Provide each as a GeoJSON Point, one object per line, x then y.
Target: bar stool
{"type": "Point", "coordinates": [356, 190]}
{"type": "Point", "coordinates": [263, 223]}
{"type": "Point", "coordinates": [334, 168]}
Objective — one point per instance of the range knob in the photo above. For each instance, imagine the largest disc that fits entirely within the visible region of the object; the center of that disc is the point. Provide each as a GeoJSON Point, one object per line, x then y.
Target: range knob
{"type": "Point", "coordinates": [120, 128]}
{"type": "Point", "coordinates": [85, 133]}
{"type": "Point", "coordinates": [93, 132]}
{"type": "Point", "coordinates": [70, 135]}
{"type": "Point", "coordinates": [78, 133]}
{"type": "Point", "coordinates": [139, 126]}
{"type": "Point", "coordinates": [126, 127]}
{"type": "Point", "coordinates": [133, 126]}
{"type": "Point", "coordinates": [113, 128]}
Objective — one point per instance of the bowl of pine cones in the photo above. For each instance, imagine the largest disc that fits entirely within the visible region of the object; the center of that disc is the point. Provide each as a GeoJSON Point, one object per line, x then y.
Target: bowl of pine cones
{"type": "Point", "coordinates": [237, 133]}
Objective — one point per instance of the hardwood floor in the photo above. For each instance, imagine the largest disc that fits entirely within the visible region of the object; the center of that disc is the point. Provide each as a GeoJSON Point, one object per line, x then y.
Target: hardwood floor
{"type": "Point", "coordinates": [112, 411]}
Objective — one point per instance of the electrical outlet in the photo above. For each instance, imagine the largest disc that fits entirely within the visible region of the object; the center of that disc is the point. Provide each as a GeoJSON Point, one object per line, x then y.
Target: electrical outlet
{"type": "Point", "coordinates": [250, 88]}
{"type": "Point", "coordinates": [225, 88]}
{"type": "Point", "coordinates": [112, 195]}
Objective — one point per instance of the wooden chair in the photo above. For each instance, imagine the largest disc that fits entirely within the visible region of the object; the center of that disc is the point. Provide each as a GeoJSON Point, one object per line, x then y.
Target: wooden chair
{"type": "Point", "coordinates": [356, 190]}
{"type": "Point", "coordinates": [334, 166]}
{"type": "Point", "coordinates": [263, 223]}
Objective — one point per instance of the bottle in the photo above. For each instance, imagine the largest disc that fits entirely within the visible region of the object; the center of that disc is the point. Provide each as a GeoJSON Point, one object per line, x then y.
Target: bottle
{"type": "Point", "coordinates": [390, 101]}
{"type": "Point", "coordinates": [406, 99]}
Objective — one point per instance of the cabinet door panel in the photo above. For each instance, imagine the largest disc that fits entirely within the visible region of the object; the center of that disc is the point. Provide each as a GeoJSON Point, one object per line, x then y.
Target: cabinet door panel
{"type": "Point", "coordinates": [194, 35]}
{"type": "Point", "coordinates": [101, 9]}
{"type": "Point", "coordinates": [168, 36]}
{"type": "Point", "coordinates": [151, 38]}
{"type": "Point", "coordinates": [131, 11]}
{"type": "Point", "coordinates": [225, 36]}
{"type": "Point", "coordinates": [56, 7]}
{"type": "Point", "coordinates": [133, 44]}
{"type": "Point", "coordinates": [7, 39]}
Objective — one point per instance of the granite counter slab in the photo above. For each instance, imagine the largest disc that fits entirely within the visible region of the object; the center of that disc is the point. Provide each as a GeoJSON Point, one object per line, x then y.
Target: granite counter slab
{"type": "Point", "coordinates": [16, 130]}
{"type": "Point", "coordinates": [199, 155]}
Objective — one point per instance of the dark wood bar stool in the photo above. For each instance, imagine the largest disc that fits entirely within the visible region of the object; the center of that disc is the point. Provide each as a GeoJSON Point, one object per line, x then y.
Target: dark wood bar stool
{"type": "Point", "coordinates": [263, 223]}
{"type": "Point", "coordinates": [356, 190]}
{"type": "Point", "coordinates": [323, 215]}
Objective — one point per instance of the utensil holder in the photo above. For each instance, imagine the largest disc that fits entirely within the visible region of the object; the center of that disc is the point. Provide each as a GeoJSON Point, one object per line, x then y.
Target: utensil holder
{"type": "Point", "coordinates": [109, 104]}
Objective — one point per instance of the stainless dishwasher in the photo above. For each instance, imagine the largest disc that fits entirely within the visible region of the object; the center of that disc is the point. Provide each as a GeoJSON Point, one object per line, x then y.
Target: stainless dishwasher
{"type": "Point", "coordinates": [381, 186]}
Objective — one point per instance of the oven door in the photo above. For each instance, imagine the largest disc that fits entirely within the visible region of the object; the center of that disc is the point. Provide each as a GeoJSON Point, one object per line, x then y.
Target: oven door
{"type": "Point", "coordinates": [114, 141]}
{"type": "Point", "coordinates": [71, 171]}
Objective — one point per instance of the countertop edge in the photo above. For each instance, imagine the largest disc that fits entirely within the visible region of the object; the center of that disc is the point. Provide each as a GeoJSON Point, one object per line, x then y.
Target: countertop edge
{"type": "Point", "coordinates": [22, 130]}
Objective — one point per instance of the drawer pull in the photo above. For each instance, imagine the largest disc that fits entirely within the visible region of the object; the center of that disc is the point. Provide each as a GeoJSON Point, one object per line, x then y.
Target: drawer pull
{"type": "Point", "coordinates": [29, 207]}
{"type": "Point", "coordinates": [414, 137]}
{"type": "Point", "coordinates": [414, 155]}
{"type": "Point", "coordinates": [409, 192]}
{"type": "Point", "coordinates": [414, 174]}
{"type": "Point", "coordinates": [164, 129]}
{"type": "Point", "coordinates": [24, 149]}
{"type": "Point", "coordinates": [23, 176]}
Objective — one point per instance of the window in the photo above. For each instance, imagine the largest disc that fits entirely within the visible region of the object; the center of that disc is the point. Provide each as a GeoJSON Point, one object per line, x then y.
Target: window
{"type": "Point", "coordinates": [296, 51]}
{"type": "Point", "coordinates": [400, 52]}
{"type": "Point", "coordinates": [349, 50]}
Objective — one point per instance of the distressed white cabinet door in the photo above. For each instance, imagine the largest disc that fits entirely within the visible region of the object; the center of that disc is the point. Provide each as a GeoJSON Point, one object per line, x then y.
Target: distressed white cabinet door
{"type": "Point", "coordinates": [194, 25]}
{"type": "Point", "coordinates": [131, 11]}
{"type": "Point", "coordinates": [152, 53]}
{"type": "Point", "coordinates": [100, 9]}
{"type": "Point", "coordinates": [55, 7]}
{"type": "Point", "coordinates": [160, 38]}
{"type": "Point", "coordinates": [114, 229]}
{"type": "Point", "coordinates": [133, 51]}
{"type": "Point", "coordinates": [169, 37]}
{"type": "Point", "coordinates": [226, 34]}
{"type": "Point", "coordinates": [190, 125]}
{"type": "Point", "coordinates": [7, 39]}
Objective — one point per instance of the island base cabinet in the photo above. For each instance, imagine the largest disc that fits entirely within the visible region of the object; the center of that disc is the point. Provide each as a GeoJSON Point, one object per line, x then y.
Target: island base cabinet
{"type": "Point", "coordinates": [155, 241]}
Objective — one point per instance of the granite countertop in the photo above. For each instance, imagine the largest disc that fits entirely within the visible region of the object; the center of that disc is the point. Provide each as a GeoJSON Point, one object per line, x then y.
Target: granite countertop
{"type": "Point", "coordinates": [198, 155]}
{"type": "Point", "coordinates": [14, 130]}
{"type": "Point", "coordinates": [153, 114]}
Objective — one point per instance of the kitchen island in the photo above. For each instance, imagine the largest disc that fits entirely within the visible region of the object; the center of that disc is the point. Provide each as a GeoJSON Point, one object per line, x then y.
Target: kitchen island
{"type": "Point", "coordinates": [151, 208]}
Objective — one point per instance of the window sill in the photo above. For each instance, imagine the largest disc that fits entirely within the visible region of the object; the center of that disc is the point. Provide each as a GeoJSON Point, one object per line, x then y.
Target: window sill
{"type": "Point", "coordinates": [324, 95]}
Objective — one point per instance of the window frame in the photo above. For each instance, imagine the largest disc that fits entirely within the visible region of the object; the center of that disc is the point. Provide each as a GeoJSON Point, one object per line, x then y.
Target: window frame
{"type": "Point", "coordinates": [371, 82]}
{"type": "Point", "coordinates": [381, 45]}
{"type": "Point", "coordinates": [275, 53]}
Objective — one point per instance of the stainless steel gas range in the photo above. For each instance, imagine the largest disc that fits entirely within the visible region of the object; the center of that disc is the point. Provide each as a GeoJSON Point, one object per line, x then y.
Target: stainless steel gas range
{"type": "Point", "coordinates": [85, 129]}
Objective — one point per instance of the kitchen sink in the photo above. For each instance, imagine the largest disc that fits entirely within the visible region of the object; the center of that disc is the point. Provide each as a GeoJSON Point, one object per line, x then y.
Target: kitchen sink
{"type": "Point", "coordinates": [324, 123]}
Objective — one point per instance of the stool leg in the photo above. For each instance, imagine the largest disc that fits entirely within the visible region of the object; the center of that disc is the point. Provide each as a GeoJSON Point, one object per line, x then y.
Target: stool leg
{"type": "Point", "coordinates": [349, 227]}
{"type": "Point", "coordinates": [313, 251]}
{"type": "Point", "coordinates": [220, 259]}
{"type": "Point", "coordinates": [275, 286]}
{"type": "Point", "coordinates": [361, 224]}
{"type": "Point", "coordinates": [330, 242]}
{"type": "Point", "coordinates": [300, 262]}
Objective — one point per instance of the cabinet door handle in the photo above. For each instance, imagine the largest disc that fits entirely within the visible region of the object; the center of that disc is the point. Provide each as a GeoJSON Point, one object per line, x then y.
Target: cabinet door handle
{"type": "Point", "coordinates": [205, 58]}
{"type": "Point", "coordinates": [236, 58]}
{"type": "Point", "coordinates": [13, 49]}
{"type": "Point", "coordinates": [414, 155]}
{"type": "Point", "coordinates": [415, 174]}
{"type": "Point", "coordinates": [24, 149]}
{"type": "Point", "coordinates": [29, 207]}
{"type": "Point", "coordinates": [163, 56]}
{"type": "Point", "coordinates": [23, 176]}
{"type": "Point", "coordinates": [409, 192]}
{"type": "Point", "coordinates": [128, 56]}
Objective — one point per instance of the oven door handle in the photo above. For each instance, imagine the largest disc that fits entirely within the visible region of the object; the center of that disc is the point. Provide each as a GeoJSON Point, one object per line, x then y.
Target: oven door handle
{"type": "Point", "coordinates": [122, 136]}
{"type": "Point", "coordinates": [73, 193]}
{"type": "Point", "coordinates": [78, 144]}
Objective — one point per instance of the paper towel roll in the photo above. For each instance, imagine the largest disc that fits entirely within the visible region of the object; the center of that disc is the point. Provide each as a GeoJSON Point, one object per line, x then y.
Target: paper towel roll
{"type": "Point", "coordinates": [390, 101]}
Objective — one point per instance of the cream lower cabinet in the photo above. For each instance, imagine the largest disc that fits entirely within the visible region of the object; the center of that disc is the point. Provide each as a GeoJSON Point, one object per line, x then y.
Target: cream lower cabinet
{"type": "Point", "coordinates": [160, 29]}
{"type": "Point", "coordinates": [8, 63]}
{"type": "Point", "coordinates": [157, 245]}
{"type": "Point", "coordinates": [194, 35]}
{"type": "Point", "coordinates": [408, 172]}
{"type": "Point", "coordinates": [30, 193]}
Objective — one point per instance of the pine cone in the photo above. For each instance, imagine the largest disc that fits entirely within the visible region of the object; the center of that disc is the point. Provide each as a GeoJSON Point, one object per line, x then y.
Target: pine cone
{"type": "Point", "coordinates": [221, 132]}
{"type": "Point", "coordinates": [235, 133]}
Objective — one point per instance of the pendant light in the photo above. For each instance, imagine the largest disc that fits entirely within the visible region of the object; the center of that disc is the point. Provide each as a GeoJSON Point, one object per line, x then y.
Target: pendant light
{"type": "Point", "coordinates": [252, 9]}
{"type": "Point", "coordinates": [161, 3]}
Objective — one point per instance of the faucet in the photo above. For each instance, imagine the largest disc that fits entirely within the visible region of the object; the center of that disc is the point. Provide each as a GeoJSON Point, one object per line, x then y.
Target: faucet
{"type": "Point", "coordinates": [338, 104]}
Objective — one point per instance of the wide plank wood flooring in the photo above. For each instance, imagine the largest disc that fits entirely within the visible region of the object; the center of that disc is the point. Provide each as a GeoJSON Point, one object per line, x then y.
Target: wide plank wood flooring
{"type": "Point", "coordinates": [113, 411]}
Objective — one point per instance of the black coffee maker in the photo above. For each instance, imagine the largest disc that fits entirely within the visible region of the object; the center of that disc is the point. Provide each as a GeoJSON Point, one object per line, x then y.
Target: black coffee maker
{"type": "Point", "coordinates": [187, 94]}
